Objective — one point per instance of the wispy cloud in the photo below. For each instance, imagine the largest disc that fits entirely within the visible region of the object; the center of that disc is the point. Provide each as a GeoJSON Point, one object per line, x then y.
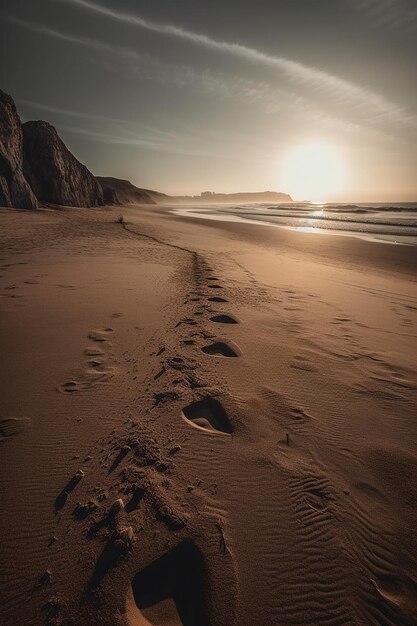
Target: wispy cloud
{"type": "Point", "coordinates": [395, 14]}
{"type": "Point", "coordinates": [315, 79]}
{"type": "Point", "coordinates": [107, 129]}
{"type": "Point", "coordinates": [272, 100]}
{"type": "Point", "coordinates": [113, 131]}
{"type": "Point", "coordinates": [169, 148]}
{"type": "Point", "coordinates": [122, 125]}
{"type": "Point", "coordinates": [89, 42]}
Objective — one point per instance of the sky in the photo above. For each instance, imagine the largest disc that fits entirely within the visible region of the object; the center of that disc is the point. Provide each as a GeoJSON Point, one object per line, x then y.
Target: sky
{"type": "Point", "coordinates": [317, 98]}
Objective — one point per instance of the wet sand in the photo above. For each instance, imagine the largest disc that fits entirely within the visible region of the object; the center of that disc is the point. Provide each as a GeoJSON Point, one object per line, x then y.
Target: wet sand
{"type": "Point", "coordinates": [218, 413]}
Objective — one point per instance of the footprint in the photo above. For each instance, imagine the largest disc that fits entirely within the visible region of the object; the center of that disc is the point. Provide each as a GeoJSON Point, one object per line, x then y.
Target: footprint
{"type": "Point", "coordinates": [100, 335]}
{"type": "Point", "coordinates": [224, 319]}
{"type": "Point", "coordinates": [220, 348]}
{"type": "Point", "coordinates": [301, 362]}
{"type": "Point", "coordinates": [186, 320]}
{"type": "Point", "coordinates": [69, 387]}
{"type": "Point", "coordinates": [97, 364]}
{"type": "Point", "coordinates": [13, 426]}
{"type": "Point", "coordinates": [93, 352]}
{"type": "Point", "coordinates": [96, 373]}
{"type": "Point", "coordinates": [163, 397]}
{"type": "Point", "coordinates": [171, 589]}
{"type": "Point", "coordinates": [208, 414]}
{"type": "Point", "coordinates": [299, 414]}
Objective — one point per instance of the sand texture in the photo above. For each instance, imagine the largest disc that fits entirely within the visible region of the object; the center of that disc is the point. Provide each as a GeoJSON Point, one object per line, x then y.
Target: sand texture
{"type": "Point", "coordinates": [204, 423]}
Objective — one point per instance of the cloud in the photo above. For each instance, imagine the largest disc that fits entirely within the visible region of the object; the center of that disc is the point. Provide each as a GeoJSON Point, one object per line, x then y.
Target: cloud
{"type": "Point", "coordinates": [394, 14]}
{"type": "Point", "coordinates": [119, 132]}
{"type": "Point", "coordinates": [319, 81]}
{"type": "Point", "coordinates": [84, 41]}
{"type": "Point", "coordinates": [121, 125]}
{"type": "Point", "coordinates": [179, 149]}
{"type": "Point", "coordinates": [336, 113]}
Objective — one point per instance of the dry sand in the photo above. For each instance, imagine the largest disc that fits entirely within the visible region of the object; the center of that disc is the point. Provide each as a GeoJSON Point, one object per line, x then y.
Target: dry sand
{"type": "Point", "coordinates": [219, 413]}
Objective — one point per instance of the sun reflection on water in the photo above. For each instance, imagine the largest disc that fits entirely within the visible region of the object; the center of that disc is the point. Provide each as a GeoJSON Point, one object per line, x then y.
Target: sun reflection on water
{"type": "Point", "coordinates": [307, 229]}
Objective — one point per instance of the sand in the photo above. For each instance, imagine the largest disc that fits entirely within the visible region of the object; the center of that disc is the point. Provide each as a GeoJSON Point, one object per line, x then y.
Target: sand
{"type": "Point", "coordinates": [204, 423]}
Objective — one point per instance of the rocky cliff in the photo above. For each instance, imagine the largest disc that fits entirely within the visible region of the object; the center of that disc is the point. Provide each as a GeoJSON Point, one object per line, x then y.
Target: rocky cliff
{"type": "Point", "coordinates": [14, 188]}
{"type": "Point", "coordinates": [54, 174]}
{"type": "Point", "coordinates": [118, 191]}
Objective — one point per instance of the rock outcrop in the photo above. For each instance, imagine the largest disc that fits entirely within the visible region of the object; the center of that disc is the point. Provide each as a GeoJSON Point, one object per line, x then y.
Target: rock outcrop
{"type": "Point", "coordinates": [14, 188]}
{"type": "Point", "coordinates": [118, 191]}
{"type": "Point", "coordinates": [54, 174]}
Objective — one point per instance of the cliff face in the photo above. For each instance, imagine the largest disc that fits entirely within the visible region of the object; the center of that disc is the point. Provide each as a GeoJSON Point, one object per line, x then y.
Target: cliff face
{"type": "Point", "coordinates": [118, 191]}
{"type": "Point", "coordinates": [14, 188]}
{"type": "Point", "coordinates": [54, 174]}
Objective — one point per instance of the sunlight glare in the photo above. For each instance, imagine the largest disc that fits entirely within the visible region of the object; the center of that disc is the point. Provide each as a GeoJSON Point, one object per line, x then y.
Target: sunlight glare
{"type": "Point", "coordinates": [313, 171]}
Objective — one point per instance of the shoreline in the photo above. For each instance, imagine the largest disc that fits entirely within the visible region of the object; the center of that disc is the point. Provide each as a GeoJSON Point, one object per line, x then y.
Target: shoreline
{"type": "Point", "coordinates": [216, 213]}
{"type": "Point", "coordinates": [353, 251]}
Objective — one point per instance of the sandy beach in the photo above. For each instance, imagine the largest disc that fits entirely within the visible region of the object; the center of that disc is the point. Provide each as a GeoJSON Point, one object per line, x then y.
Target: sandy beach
{"type": "Point", "coordinates": [215, 412]}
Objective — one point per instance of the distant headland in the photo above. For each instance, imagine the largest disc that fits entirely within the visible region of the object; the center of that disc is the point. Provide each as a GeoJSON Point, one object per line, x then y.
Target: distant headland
{"type": "Point", "coordinates": [208, 197]}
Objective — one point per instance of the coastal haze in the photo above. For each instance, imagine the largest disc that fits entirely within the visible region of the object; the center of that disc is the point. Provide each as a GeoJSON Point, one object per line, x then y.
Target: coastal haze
{"type": "Point", "coordinates": [208, 313]}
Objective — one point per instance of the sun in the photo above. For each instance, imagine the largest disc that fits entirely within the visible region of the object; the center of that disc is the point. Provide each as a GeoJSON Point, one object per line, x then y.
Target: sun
{"type": "Point", "coordinates": [313, 171]}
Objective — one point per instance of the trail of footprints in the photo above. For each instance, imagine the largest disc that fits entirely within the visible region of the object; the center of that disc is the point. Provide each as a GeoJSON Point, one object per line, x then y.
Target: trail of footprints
{"type": "Point", "coordinates": [175, 579]}
{"type": "Point", "coordinates": [177, 374]}
{"type": "Point", "coordinates": [146, 487]}
{"type": "Point", "coordinates": [143, 470]}
{"type": "Point", "coordinates": [98, 367]}
{"type": "Point", "coordinates": [207, 413]}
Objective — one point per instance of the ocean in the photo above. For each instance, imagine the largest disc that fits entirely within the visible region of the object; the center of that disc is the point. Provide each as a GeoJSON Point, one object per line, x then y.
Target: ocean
{"type": "Point", "coordinates": [394, 223]}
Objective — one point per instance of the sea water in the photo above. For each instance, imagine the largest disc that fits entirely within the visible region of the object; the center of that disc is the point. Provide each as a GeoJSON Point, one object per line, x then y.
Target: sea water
{"type": "Point", "coordinates": [393, 222]}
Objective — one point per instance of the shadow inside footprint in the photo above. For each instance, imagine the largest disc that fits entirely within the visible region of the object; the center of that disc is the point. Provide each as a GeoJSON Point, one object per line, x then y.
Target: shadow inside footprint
{"type": "Point", "coordinates": [208, 414]}
{"type": "Point", "coordinates": [69, 487]}
{"type": "Point", "coordinates": [219, 348]}
{"type": "Point", "coordinates": [224, 319]}
{"type": "Point", "coordinates": [13, 426]}
{"type": "Point", "coordinates": [171, 589]}
{"type": "Point", "coordinates": [135, 500]}
{"type": "Point", "coordinates": [119, 458]}
{"type": "Point", "coordinates": [217, 299]}
{"type": "Point", "coordinates": [214, 286]}
{"type": "Point", "coordinates": [69, 387]}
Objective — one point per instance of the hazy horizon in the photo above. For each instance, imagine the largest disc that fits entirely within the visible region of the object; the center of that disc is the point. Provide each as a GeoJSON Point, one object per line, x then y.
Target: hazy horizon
{"type": "Point", "coordinates": [315, 101]}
